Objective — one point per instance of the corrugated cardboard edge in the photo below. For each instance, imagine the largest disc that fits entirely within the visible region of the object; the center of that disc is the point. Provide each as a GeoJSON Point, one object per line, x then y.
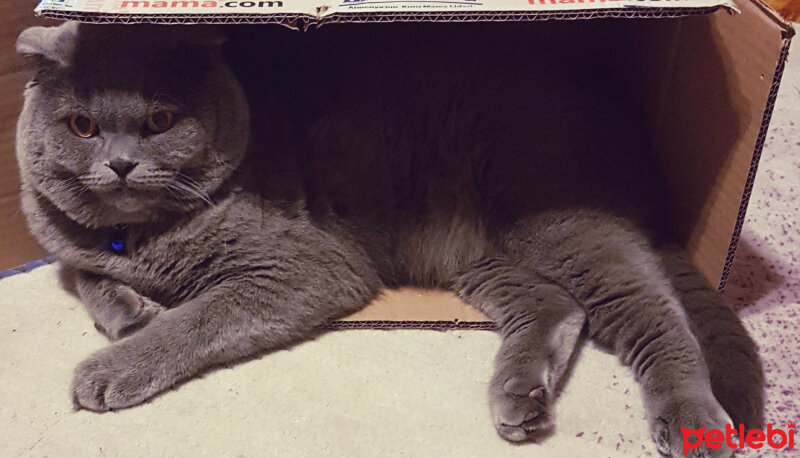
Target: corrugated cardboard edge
{"type": "Point", "coordinates": [298, 21]}
{"type": "Point", "coordinates": [292, 20]}
{"type": "Point", "coordinates": [515, 16]}
{"type": "Point", "coordinates": [788, 33]}
{"type": "Point", "coordinates": [435, 325]}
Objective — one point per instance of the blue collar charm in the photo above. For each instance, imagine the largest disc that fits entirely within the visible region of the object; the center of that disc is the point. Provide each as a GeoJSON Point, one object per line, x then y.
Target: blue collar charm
{"type": "Point", "coordinates": [118, 236]}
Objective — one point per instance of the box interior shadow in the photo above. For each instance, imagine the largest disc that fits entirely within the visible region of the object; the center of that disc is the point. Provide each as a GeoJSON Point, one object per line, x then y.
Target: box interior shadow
{"type": "Point", "coordinates": [704, 94]}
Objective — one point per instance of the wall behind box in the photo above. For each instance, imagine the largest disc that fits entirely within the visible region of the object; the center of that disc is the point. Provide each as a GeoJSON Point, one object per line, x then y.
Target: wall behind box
{"type": "Point", "coordinates": [16, 245]}
{"type": "Point", "coordinates": [705, 90]}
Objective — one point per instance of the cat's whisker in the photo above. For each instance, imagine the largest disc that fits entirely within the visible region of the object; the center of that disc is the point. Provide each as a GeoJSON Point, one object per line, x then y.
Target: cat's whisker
{"type": "Point", "coordinates": [72, 184]}
{"type": "Point", "coordinates": [76, 184]}
{"type": "Point", "coordinates": [221, 162]}
{"type": "Point", "coordinates": [187, 187]}
{"type": "Point", "coordinates": [176, 197]}
{"type": "Point", "coordinates": [189, 181]}
{"type": "Point", "coordinates": [177, 192]}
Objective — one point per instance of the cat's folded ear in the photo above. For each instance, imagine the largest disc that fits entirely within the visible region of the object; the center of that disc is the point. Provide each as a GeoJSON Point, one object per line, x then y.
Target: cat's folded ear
{"type": "Point", "coordinates": [49, 44]}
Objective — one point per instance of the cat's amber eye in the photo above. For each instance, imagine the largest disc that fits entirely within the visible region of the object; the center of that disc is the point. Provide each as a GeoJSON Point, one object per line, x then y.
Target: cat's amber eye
{"type": "Point", "coordinates": [161, 121]}
{"type": "Point", "coordinates": [82, 126]}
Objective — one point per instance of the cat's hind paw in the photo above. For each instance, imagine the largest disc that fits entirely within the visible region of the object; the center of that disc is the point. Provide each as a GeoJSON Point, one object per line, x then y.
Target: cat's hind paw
{"type": "Point", "coordinates": [520, 410]}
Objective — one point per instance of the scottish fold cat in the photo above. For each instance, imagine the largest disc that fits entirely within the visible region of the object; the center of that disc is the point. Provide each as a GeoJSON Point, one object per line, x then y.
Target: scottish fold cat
{"type": "Point", "coordinates": [209, 206]}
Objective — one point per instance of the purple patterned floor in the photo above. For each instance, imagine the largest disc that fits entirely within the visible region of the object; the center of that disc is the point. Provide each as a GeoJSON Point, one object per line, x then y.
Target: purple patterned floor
{"type": "Point", "coordinates": [765, 281]}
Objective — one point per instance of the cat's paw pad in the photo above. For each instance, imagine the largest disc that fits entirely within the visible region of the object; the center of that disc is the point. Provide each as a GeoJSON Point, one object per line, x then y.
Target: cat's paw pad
{"type": "Point", "coordinates": [520, 410]}
{"type": "Point", "coordinates": [108, 380]}
{"type": "Point", "coordinates": [669, 437]}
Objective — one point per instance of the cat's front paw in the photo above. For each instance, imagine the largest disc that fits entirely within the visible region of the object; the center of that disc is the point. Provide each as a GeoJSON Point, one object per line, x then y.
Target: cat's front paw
{"type": "Point", "coordinates": [113, 378]}
{"type": "Point", "coordinates": [675, 429]}
{"type": "Point", "coordinates": [130, 313]}
{"type": "Point", "coordinates": [519, 408]}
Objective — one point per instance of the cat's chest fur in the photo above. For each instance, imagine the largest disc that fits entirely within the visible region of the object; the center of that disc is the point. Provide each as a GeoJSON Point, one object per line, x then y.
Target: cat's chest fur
{"type": "Point", "coordinates": [168, 264]}
{"type": "Point", "coordinates": [171, 263]}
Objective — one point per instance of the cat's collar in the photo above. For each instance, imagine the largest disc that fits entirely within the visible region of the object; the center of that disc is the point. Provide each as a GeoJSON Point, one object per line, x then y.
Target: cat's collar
{"type": "Point", "coordinates": [117, 243]}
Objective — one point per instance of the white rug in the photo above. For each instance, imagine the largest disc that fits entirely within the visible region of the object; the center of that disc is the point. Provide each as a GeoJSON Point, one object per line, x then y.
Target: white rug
{"type": "Point", "coordinates": [390, 393]}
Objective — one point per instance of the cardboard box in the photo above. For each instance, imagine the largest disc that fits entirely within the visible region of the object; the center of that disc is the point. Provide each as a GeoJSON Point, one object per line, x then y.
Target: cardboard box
{"type": "Point", "coordinates": [702, 63]}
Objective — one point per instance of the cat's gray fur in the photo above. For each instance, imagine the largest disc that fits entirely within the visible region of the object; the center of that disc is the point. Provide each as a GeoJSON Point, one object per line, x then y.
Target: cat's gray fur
{"type": "Point", "coordinates": [527, 200]}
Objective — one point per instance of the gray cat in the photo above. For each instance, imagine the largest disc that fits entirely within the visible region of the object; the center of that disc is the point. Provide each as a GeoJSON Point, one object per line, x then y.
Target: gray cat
{"type": "Point", "coordinates": [505, 177]}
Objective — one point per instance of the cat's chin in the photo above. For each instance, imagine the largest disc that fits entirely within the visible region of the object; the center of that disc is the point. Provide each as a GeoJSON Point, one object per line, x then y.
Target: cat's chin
{"type": "Point", "coordinates": [115, 216]}
{"type": "Point", "coordinates": [126, 209]}
{"type": "Point", "coordinates": [126, 201]}
{"type": "Point", "coordinates": [128, 204]}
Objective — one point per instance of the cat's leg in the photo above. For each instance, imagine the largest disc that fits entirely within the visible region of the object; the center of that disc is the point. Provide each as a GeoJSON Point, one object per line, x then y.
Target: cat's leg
{"type": "Point", "coordinates": [731, 355]}
{"type": "Point", "coordinates": [116, 308]}
{"type": "Point", "coordinates": [633, 310]}
{"type": "Point", "coordinates": [540, 324]}
{"type": "Point", "coordinates": [302, 282]}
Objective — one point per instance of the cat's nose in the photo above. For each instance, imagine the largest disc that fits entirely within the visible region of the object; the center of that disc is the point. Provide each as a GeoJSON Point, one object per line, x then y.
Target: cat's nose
{"type": "Point", "coordinates": [122, 167]}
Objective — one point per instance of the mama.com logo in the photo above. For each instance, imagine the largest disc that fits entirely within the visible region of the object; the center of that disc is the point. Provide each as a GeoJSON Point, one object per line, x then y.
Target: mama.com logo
{"type": "Point", "coordinates": [736, 438]}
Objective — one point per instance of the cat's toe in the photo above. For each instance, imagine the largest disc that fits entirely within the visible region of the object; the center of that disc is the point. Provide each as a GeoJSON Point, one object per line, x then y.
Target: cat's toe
{"type": "Point", "coordinates": [89, 386]}
{"type": "Point", "coordinates": [133, 323]}
{"type": "Point", "coordinates": [105, 381]}
{"type": "Point", "coordinates": [675, 429]}
{"type": "Point", "coordinates": [520, 411]}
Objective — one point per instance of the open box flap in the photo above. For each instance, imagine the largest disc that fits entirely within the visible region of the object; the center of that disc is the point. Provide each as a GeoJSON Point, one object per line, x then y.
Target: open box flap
{"type": "Point", "coordinates": [709, 151]}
